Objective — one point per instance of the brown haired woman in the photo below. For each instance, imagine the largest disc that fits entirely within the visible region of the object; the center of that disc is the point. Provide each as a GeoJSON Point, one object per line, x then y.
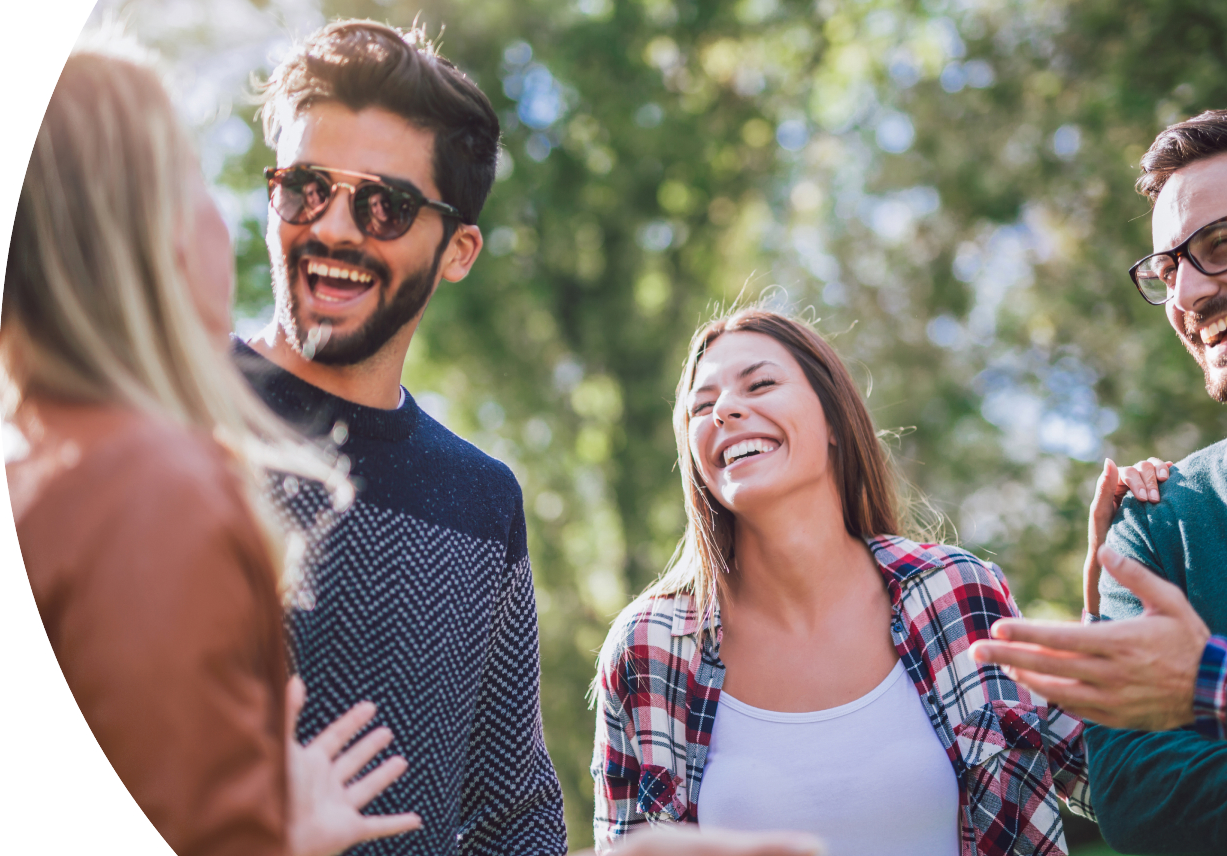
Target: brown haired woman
{"type": "Point", "coordinates": [137, 500]}
{"type": "Point", "coordinates": [800, 660]}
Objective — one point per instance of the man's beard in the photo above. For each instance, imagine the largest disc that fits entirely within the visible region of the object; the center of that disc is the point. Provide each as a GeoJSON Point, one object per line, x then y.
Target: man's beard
{"type": "Point", "coordinates": [317, 342]}
{"type": "Point", "coordinates": [1216, 376]}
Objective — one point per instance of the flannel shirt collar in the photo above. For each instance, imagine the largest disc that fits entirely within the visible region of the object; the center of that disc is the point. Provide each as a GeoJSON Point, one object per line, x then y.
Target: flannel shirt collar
{"type": "Point", "coordinates": [899, 560]}
{"type": "Point", "coordinates": [686, 620]}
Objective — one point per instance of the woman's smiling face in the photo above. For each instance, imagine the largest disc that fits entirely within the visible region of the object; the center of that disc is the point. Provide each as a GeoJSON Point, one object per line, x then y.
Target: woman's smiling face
{"type": "Point", "coordinates": [757, 431]}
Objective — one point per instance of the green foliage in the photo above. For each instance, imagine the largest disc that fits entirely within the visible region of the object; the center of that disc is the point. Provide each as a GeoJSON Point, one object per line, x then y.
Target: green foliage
{"type": "Point", "coordinates": [948, 185]}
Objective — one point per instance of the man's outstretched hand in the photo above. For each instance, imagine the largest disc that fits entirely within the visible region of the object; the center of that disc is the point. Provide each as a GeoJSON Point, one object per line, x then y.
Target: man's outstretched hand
{"type": "Point", "coordinates": [1136, 673]}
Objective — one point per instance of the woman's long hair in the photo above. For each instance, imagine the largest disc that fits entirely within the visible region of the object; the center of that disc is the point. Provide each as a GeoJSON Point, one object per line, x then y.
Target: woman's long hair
{"type": "Point", "coordinates": [95, 306]}
{"type": "Point", "coordinates": [868, 486]}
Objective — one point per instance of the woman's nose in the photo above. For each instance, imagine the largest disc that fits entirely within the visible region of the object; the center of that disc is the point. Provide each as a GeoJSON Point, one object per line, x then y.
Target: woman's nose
{"type": "Point", "coordinates": [727, 407]}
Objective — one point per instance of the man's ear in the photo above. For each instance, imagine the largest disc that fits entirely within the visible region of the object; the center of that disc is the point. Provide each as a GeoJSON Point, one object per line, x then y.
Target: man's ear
{"type": "Point", "coordinates": [461, 252]}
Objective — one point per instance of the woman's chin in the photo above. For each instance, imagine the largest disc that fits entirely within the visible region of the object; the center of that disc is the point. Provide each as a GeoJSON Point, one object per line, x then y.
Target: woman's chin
{"type": "Point", "coordinates": [743, 497]}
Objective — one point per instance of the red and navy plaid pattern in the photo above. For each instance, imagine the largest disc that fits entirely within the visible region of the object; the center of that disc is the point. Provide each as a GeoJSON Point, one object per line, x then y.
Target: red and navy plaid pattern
{"type": "Point", "coordinates": [659, 678]}
{"type": "Point", "coordinates": [1210, 694]}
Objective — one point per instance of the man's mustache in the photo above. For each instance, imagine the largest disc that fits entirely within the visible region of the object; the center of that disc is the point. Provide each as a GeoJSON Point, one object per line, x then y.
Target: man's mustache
{"type": "Point", "coordinates": [1217, 305]}
{"type": "Point", "coordinates": [318, 250]}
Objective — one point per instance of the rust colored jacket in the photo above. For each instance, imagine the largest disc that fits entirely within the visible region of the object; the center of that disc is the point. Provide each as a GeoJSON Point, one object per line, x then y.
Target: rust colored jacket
{"type": "Point", "coordinates": [160, 602]}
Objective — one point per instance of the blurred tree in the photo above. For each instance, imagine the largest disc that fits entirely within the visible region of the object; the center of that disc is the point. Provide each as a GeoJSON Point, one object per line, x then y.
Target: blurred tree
{"type": "Point", "coordinates": [948, 183]}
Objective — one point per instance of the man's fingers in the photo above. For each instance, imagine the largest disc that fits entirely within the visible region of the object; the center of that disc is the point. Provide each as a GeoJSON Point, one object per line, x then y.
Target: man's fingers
{"type": "Point", "coordinates": [1034, 658]}
{"type": "Point", "coordinates": [376, 781]}
{"type": "Point", "coordinates": [1065, 692]}
{"type": "Point", "coordinates": [353, 759]}
{"type": "Point", "coordinates": [295, 698]}
{"type": "Point", "coordinates": [1156, 593]}
{"type": "Point", "coordinates": [1068, 636]}
{"type": "Point", "coordinates": [343, 728]}
{"type": "Point", "coordinates": [382, 825]}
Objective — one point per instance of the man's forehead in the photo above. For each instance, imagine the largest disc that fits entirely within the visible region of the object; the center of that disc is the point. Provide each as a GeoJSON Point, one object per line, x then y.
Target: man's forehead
{"type": "Point", "coordinates": [1192, 197]}
{"type": "Point", "coordinates": [368, 140]}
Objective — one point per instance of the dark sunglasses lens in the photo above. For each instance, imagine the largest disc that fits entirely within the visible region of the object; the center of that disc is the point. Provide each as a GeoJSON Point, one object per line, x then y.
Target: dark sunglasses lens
{"type": "Point", "coordinates": [299, 195]}
{"type": "Point", "coordinates": [384, 212]}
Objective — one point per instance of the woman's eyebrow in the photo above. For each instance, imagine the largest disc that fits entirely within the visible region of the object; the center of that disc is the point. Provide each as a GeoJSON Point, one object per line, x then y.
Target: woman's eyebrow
{"type": "Point", "coordinates": [749, 370]}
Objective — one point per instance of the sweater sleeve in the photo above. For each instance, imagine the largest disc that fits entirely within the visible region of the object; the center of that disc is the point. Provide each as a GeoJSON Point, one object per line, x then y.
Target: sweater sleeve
{"type": "Point", "coordinates": [162, 610]}
{"type": "Point", "coordinates": [511, 801]}
{"type": "Point", "coordinates": [1156, 792]}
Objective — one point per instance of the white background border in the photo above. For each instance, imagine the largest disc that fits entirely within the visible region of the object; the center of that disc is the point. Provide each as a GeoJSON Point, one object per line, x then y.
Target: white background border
{"type": "Point", "coordinates": [58, 794]}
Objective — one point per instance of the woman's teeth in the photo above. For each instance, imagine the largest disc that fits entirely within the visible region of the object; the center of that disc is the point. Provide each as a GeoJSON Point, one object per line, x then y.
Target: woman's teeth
{"type": "Point", "coordinates": [747, 447]}
{"type": "Point", "coordinates": [320, 269]}
{"type": "Point", "coordinates": [1210, 331]}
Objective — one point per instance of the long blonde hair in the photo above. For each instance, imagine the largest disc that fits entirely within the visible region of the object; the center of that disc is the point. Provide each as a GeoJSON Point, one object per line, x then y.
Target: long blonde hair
{"type": "Point", "coordinates": [95, 306]}
{"type": "Point", "coordinates": [869, 488]}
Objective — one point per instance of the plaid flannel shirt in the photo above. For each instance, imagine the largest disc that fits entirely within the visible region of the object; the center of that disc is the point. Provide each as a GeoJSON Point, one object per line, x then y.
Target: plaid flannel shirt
{"type": "Point", "coordinates": [659, 678]}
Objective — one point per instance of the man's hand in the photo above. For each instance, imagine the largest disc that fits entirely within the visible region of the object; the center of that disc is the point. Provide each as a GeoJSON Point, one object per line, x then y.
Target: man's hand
{"type": "Point", "coordinates": [325, 817]}
{"type": "Point", "coordinates": [1142, 480]}
{"type": "Point", "coordinates": [687, 841]}
{"type": "Point", "coordinates": [1136, 673]}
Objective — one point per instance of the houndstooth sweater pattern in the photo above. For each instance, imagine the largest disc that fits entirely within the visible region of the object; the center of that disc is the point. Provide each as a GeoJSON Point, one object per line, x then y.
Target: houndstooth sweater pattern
{"type": "Point", "coordinates": [419, 597]}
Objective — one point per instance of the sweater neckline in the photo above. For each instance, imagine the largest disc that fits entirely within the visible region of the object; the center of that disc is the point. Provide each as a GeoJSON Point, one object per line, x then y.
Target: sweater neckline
{"type": "Point", "coordinates": [302, 403]}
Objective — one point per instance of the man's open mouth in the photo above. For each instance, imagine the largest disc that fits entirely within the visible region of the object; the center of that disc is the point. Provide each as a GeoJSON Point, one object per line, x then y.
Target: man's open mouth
{"type": "Point", "coordinates": [1214, 332]}
{"type": "Point", "coordinates": [333, 282]}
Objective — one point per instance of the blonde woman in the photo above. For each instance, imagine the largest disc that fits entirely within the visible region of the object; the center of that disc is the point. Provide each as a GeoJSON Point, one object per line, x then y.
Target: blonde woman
{"type": "Point", "coordinates": [803, 666]}
{"type": "Point", "coordinates": [137, 499]}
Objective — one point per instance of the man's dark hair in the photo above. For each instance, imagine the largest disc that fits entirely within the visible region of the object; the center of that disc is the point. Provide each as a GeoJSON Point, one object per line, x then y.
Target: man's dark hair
{"type": "Point", "coordinates": [1179, 145]}
{"type": "Point", "coordinates": [365, 64]}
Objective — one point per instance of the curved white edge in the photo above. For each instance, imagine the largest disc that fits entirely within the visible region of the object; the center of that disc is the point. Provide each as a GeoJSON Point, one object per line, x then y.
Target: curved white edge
{"type": "Point", "coordinates": [58, 793]}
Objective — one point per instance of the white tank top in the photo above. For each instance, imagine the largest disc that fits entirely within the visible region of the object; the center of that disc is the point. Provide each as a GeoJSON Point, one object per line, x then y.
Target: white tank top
{"type": "Point", "coordinates": [869, 777]}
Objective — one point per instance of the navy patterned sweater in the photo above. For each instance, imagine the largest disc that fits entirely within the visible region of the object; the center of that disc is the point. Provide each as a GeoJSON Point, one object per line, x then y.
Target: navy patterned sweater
{"type": "Point", "coordinates": [419, 598]}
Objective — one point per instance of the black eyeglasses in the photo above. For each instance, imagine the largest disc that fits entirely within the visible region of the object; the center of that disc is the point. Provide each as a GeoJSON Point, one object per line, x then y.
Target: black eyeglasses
{"type": "Point", "coordinates": [1206, 250]}
{"type": "Point", "coordinates": [383, 208]}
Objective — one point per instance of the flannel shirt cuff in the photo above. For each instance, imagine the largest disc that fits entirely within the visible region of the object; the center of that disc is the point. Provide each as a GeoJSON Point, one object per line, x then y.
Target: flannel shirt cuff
{"type": "Point", "coordinates": [1210, 693]}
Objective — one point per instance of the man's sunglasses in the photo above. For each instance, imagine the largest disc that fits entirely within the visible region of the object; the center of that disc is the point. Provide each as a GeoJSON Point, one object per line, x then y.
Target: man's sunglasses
{"type": "Point", "coordinates": [383, 208]}
{"type": "Point", "coordinates": [1206, 250]}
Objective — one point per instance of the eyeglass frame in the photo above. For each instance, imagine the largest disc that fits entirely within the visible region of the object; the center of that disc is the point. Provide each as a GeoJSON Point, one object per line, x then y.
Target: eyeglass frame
{"type": "Point", "coordinates": [1175, 253]}
{"type": "Point", "coordinates": [272, 174]}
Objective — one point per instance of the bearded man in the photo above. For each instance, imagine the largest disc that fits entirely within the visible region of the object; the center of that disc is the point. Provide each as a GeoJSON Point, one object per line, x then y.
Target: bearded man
{"type": "Point", "coordinates": [420, 596]}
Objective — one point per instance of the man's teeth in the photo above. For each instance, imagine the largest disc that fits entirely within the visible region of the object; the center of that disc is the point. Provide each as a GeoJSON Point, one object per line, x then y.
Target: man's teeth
{"type": "Point", "coordinates": [747, 447]}
{"type": "Point", "coordinates": [321, 269]}
{"type": "Point", "coordinates": [1211, 330]}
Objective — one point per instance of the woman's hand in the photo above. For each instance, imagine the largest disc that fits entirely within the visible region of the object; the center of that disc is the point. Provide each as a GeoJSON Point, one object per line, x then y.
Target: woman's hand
{"type": "Point", "coordinates": [1142, 480]}
{"type": "Point", "coordinates": [325, 804]}
{"type": "Point", "coordinates": [687, 841]}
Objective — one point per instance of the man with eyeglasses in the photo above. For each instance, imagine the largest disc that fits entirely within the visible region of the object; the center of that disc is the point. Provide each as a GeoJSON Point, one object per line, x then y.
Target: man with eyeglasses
{"type": "Point", "coordinates": [419, 597]}
{"type": "Point", "coordinates": [1159, 666]}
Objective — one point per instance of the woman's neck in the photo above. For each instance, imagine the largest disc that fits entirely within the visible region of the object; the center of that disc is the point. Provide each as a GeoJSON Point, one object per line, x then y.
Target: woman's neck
{"type": "Point", "coordinates": [796, 559]}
